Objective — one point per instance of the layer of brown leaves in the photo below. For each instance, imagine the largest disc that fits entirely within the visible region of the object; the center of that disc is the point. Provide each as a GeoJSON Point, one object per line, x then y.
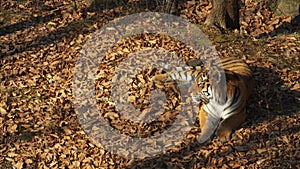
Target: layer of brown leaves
{"type": "Point", "coordinates": [40, 42]}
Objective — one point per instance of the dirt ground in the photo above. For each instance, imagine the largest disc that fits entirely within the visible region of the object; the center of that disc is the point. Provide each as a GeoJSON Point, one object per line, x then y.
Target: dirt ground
{"type": "Point", "coordinates": [40, 42]}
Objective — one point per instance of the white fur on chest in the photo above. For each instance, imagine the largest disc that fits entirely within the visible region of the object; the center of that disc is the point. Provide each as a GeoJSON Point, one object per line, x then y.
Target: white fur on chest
{"type": "Point", "coordinates": [220, 110]}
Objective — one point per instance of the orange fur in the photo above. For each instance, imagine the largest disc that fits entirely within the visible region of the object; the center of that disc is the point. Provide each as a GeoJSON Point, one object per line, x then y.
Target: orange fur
{"type": "Point", "coordinates": [215, 115]}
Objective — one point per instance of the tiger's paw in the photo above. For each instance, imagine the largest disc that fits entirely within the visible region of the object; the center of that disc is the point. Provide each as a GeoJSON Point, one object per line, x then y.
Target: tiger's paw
{"type": "Point", "coordinates": [223, 135]}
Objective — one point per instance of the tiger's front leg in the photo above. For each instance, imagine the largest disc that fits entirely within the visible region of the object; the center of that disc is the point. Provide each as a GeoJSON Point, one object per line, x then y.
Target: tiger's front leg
{"type": "Point", "coordinates": [208, 125]}
{"type": "Point", "coordinates": [227, 125]}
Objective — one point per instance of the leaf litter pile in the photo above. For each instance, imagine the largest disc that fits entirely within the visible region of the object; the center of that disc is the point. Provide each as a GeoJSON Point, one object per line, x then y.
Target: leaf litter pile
{"type": "Point", "coordinates": [40, 44]}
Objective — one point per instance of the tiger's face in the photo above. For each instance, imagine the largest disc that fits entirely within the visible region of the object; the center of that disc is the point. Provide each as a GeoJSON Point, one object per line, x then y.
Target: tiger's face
{"type": "Point", "coordinates": [200, 90]}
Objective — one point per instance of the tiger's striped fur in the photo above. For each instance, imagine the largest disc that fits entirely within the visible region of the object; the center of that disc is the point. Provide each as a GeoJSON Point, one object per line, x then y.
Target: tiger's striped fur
{"type": "Point", "coordinates": [215, 114]}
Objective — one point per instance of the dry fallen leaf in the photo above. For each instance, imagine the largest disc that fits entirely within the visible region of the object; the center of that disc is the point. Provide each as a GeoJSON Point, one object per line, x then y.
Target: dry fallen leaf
{"type": "Point", "coordinates": [3, 111]}
{"type": "Point", "coordinates": [40, 44]}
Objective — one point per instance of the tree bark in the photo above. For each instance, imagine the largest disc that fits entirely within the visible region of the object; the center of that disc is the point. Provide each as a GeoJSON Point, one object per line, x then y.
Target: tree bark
{"type": "Point", "coordinates": [288, 7]}
{"type": "Point", "coordinates": [168, 6]}
{"type": "Point", "coordinates": [224, 14]}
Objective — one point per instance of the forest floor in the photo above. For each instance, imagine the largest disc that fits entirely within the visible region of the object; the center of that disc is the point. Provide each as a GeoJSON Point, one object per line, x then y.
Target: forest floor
{"type": "Point", "coordinates": [40, 42]}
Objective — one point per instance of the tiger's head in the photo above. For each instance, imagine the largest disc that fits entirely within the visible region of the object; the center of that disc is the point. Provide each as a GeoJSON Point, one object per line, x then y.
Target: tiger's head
{"type": "Point", "coordinates": [200, 90]}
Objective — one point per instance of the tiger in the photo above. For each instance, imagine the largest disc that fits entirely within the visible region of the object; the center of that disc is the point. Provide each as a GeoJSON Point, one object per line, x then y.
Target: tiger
{"type": "Point", "coordinates": [216, 116]}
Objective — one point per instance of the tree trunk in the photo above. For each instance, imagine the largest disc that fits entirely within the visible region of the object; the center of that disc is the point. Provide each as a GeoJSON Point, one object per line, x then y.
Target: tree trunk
{"type": "Point", "coordinates": [288, 7]}
{"type": "Point", "coordinates": [168, 6]}
{"type": "Point", "coordinates": [224, 14]}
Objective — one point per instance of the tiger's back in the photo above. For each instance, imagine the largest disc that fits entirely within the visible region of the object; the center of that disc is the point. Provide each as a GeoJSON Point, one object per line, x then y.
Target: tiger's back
{"type": "Point", "coordinates": [240, 69]}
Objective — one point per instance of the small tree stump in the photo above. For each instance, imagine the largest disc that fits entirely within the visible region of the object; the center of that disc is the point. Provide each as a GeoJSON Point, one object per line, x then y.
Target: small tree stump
{"type": "Point", "coordinates": [224, 14]}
